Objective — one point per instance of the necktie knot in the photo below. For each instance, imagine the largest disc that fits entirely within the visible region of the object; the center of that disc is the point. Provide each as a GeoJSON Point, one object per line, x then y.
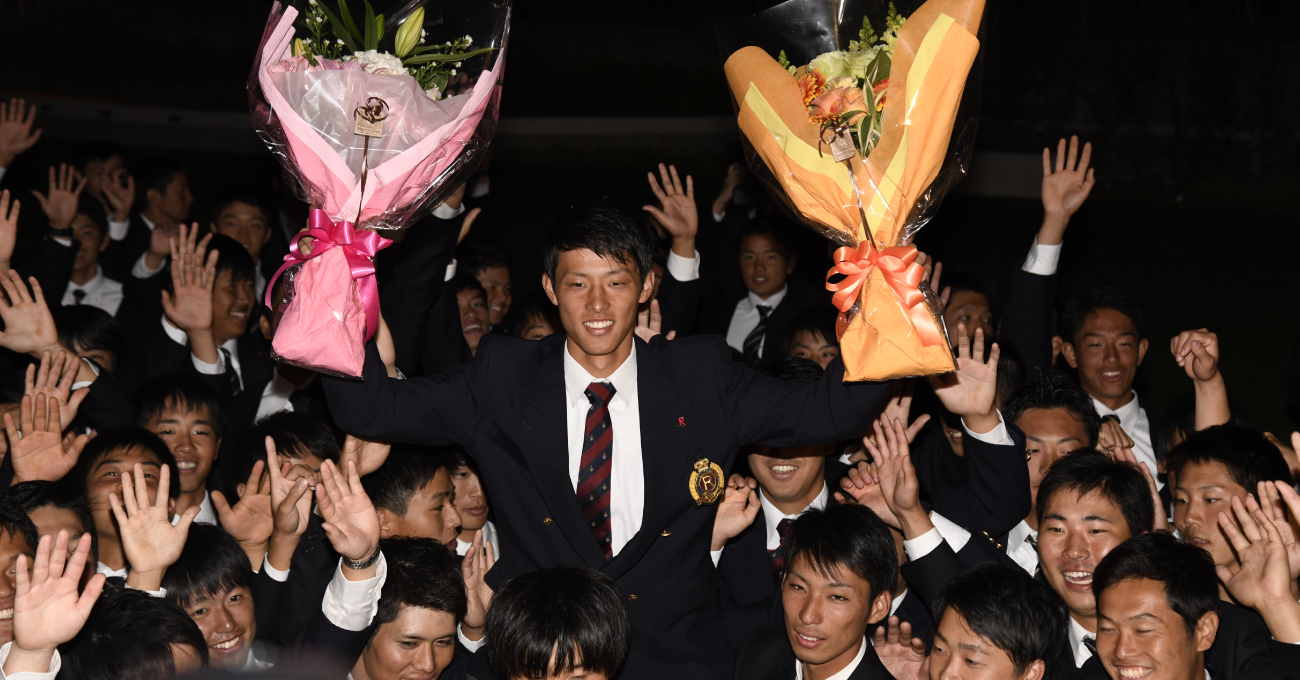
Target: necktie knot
{"type": "Point", "coordinates": [763, 311]}
{"type": "Point", "coordinates": [599, 393]}
{"type": "Point", "coordinates": [1032, 540]}
{"type": "Point", "coordinates": [78, 296]}
{"type": "Point", "coordinates": [1090, 641]}
{"type": "Point", "coordinates": [783, 529]}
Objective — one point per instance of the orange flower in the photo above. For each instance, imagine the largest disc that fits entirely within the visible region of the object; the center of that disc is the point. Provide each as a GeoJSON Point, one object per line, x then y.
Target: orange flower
{"type": "Point", "coordinates": [878, 93]}
{"type": "Point", "coordinates": [835, 102]}
{"type": "Point", "coordinates": [812, 84]}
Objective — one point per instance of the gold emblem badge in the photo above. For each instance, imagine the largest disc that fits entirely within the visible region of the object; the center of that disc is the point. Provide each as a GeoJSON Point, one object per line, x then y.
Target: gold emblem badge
{"type": "Point", "coordinates": [706, 482]}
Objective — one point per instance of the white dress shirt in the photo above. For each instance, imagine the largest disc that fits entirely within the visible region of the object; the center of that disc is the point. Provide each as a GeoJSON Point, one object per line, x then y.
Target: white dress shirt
{"type": "Point", "coordinates": [275, 396]}
{"type": "Point", "coordinates": [627, 477]}
{"type": "Point", "coordinates": [1042, 259]}
{"type": "Point", "coordinates": [772, 516]}
{"type": "Point", "coordinates": [140, 270]}
{"type": "Point", "coordinates": [1020, 549]}
{"type": "Point", "coordinates": [231, 346]}
{"type": "Point", "coordinates": [351, 605]}
{"type": "Point", "coordinates": [100, 291]}
{"type": "Point", "coordinates": [1080, 650]}
{"type": "Point", "coordinates": [56, 661]}
{"type": "Point", "coordinates": [746, 317]}
{"type": "Point", "coordinates": [207, 513]}
{"type": "Point", "coordinates": [844, 674]}
{"type": "Point", "coordinates": [489, 537]}
{"type": "Point", "coordinates": [1133, 418]}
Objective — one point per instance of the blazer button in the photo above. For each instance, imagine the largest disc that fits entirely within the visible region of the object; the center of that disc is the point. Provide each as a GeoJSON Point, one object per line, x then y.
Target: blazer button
{"type": "Point", "coordinates": [546, 520]}
{"type": "Point", "coordinates": [309, 549]}
{"type": "Point", "coordinates": [633, 596]}
{"type": "Point", "coordinates": [666, 532]}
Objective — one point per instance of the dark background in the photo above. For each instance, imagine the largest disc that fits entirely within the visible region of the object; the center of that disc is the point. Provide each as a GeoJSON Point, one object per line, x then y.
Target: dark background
{"type": "Point", "coordinates": [1192, 108]}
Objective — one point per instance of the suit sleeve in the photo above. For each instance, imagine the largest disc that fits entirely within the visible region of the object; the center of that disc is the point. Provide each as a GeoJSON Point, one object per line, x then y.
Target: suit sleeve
{"type": "Point", "coordinates": [1027, 323]}
{"type": "Point", "coordinates": [995, 496]}
{"type": "Point", "coordinates": [106, 404]}
{"type": "Point", "coordinates": [414, 284]}
{"type": "Point", "coordinates": [927, 576]}
{"type": "Point", "coordinates": [52, 267]}
{"type": "Point", "coordinates": [679, 302]}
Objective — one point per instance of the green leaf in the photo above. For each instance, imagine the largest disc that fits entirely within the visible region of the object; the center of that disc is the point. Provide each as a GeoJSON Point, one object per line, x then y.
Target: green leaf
{"type": "Point", "coordinates": [372, 35]}
{"type": "Point", "coordinates": [424, 48]}
{"type": "Point", "coordinates": [337, 28]}
{"type": "Point", "coordinates": [881, 64]}
{"type": "Point", "coordinates": [427, 58]}
{"type": "Point", "coordinates": [379, 27]}
{"type": "Point", "coordinates": [348, 23]}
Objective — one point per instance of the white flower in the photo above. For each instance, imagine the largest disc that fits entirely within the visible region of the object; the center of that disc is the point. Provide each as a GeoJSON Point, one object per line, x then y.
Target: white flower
{"type": "Point", "coordinates": [469, 40]}
{"type": "Point", "coordinates": [312, 2]}
{"type": "Point", "coordinates": [338, 41]}
{"type": "Point", "coordinates": [458, 64]}
{"type": "Point", "coordinates": [453, 72]}
{"type": "Point", "coordinates": [381, 63]}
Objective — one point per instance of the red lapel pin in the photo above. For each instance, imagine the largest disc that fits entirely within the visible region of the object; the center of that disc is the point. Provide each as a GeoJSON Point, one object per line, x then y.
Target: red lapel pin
{"type": "Point", "coordinates": [681, 422]}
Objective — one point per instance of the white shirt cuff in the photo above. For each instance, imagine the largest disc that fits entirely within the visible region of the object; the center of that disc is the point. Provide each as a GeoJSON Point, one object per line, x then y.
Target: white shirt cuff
{"type": "Point", "coordinates": [160, 593]}
{"type": "Point", "coordinates": [117, 230]}
{"type": "Point", "coordinates": [351, 605]}
{"type": "Point", "coordinates": [683, 269]}
{"type": "Point", "coordinates": [922, 545]}
{"type": "Point", "coordinates": [86, 383]}
{"type": "Point", "coordinates": [442, 212]}
{"type": "Point", "coordinates": [1042, 259]}
{"type": "Point", "coordinates": [451, 271]}
{"type": "Point", "coordinates": [997, 435]}
{"type": "Point", "coordinates": [719, 216]}
{"type": "Point", "coordinates": [142, 271]}
{"type": "Point", "coordinates": [715, 555]}
{"type": "Point", "coordinates": [177, 335]}
{"type": "Point", "coordinates": [471, 645]}
{"type": "Point", "coordinates": [56, 662]}
{"type": "Point", "coordinates": [63, 241]}
{"type": "Point", "coordinates": [275, 574]}
{"type": "Point", "coordinates": [944, 530]}
{"type": "Point", "coordinates": [216, 368]}
{"type": "Point", "coordinates": [953, 533]}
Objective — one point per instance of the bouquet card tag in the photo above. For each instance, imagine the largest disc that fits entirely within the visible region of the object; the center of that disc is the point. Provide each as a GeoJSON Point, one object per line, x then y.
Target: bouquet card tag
{"type": "Point", "coordinates": [369, 128]}
{"type": "Point", "coordinates": [841, 146]}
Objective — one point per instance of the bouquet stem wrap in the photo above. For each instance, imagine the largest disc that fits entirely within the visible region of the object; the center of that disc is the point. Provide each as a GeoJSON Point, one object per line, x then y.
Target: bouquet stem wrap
{"type": "Point", "coordinates": [890, 326]}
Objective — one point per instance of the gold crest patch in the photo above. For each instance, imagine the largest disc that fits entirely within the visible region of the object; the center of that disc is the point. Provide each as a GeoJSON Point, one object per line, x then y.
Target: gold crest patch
{"type": "Point", "coordinates": [706, 484]}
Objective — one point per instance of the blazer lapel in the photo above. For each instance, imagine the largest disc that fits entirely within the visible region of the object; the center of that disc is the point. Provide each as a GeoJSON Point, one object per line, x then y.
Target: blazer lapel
{"type": "Point", "coordinates": [546, 452]}
{"type": "Point", "coordinates": [871, 667]}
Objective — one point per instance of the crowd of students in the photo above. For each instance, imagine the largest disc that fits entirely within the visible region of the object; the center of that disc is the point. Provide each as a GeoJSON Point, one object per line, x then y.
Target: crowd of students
{"type": "Point", "coordinates": [648, 467]}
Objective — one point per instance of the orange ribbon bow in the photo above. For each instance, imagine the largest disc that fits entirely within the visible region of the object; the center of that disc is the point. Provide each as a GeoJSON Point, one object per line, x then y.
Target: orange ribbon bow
{"type": "Point", "coordinates": [904, 275]}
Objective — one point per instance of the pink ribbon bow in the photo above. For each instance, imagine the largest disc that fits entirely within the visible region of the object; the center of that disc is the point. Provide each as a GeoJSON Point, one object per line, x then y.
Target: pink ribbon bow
{"type": "Point", "coordinates": [358, 249]}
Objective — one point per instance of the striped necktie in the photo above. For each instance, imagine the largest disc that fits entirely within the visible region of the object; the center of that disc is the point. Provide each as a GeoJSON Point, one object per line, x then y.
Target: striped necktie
{"type": "Point", "coordinates": [777, 555]}
{"type": "Point", "coordinates": [754, 341]}
{"type": "Point", "coordinates": [597, 462]}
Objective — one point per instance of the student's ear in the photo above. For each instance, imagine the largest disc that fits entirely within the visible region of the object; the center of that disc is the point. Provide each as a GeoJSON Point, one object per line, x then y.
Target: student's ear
{"type": "Point", "coordinates": [794, 259]}
{"type": "Point", "coordinates": [1205, 631]}
{"type": "Point", "coordinates": [264, 323]}
{"type": "Point", "coordinates": [385, 530]}
{"type": "Point", "coordinates": [1142, 350]}
{"type": "Point", "coordinates": [647, 287]}
{"type": "Point", "coordinates": [152, 197]}
{"type": "Point", "coordinates": [212, 227]}
{"type": "Point", "coordinates": [171, 510]}
{"type": "Point", "coordinates": [880, 606]}
{"type": "Point", "coordinates": [1067, 350]}
{"type": "Point", "coordinates": [1036, 670]}
{"type": "Point", "coordinates": [549, 288]}
{"type": "Point", "coordinates": [1057, 342]}
{"type": "Point", "coordinates": [103, 242]}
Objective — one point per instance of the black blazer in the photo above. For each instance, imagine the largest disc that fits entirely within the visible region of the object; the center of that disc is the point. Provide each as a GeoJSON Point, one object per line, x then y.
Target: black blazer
{"type": "Point", "coordinates": [507, 408]}
{"type": "Point", "coordinates": [986, 490]}
{"type": "Point", "coordinates": [916, 612]}
{"type": "Point", "coordinates": [120, 256]}
{"type": "Point", "coordinates": [411, 282]}
{"type": "Point", "coordinates": [1027, 323]}
{"type": "Point", "coordinates": [799, 297]}
{"type": "Point", "coordinates": [768, 656]}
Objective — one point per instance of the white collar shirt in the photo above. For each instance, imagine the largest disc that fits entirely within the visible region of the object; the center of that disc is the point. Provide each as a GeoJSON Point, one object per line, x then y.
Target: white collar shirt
{"type": "Point", "coordinates": [847, 671]}
{"type": "Point", "coordinates": [100, 291]}
{"type": "Point", "coordinates": [275, 396]}
{"type": "Point", "coordinates": [746, 317]}
{"type": "Point", "coordinates": [1133, 418]}
{"type": "Point", "coordinates": [1077, 634]}
{"type": "Point", "coordinates": [627, 477]}
{"type": "Point", "coordinates": [230, 354]}
{"type": "Point", "coordinates": [772, 516]}
{"type": "Point", "coordinates": [489, 537]}
{"type": "Point", "coordinates": [1020, 549]}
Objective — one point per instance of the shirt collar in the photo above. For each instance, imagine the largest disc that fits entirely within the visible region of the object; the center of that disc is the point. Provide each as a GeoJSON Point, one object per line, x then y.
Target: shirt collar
{"type": "Point", "coordinates": [844, 674]}
{"type": "Point", "coordinates": [772, 516]}
{"type": "Point", "coordinates": [1020, 533]}
{"type": "Point", "coordinates": [1077, 633]}
{"type": "Point", "coordinates": [576, 379]}
{"type": "Point", "coordinates": [95, 281]}
{"type": "Point", "coordinates": [772, 302]}
{"type": "Point", "coordinates": [1124, 412]}
{"type": "Point", "coordinates": [147, 222]}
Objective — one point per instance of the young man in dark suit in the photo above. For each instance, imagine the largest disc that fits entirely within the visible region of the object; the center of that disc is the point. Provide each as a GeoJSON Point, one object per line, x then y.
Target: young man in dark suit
{"type": "Point", "coordinates": [838, 580]}
{"type": "Point", "coordinates": [604, 449]}
{"type": "Point", "coordinates": [163, 197]}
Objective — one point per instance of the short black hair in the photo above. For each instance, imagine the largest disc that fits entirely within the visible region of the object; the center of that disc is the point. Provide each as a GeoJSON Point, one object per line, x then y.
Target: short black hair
{"type": "Point", "coordinates": [844, 536]}
{"type": "Point", "coordinates": [774, 226]}
{"type": "Point", "coordinates": [233, 256]}
{"type": "Point", "coordinates": [1179, 420]}
{"type": "Point", "coordinates": [464, 281]}
{"type": "Point", "coordinates": [1011, 374]}
{"type": "Point", "coordinates": [176, 391]}
{"type": "Point", "coordinates": [538, 306]}
{"type": "Point", "coordinates": [794, 369]}
{"type": "Point", "coordinates": [239, 193]}
{"type": "Point", "coordinates": [407, 470]}
{"type": "Point", "coordinates": [94, 150]}
{"type": "Point", "coordinates": [474, 258]}
{"type": "Point", "coordinates": [88, 327]}
{"type": "Point", "coordinates": [15, 522]}
{"type": "Point", "coordinates": [130, 634]}
{"type": "Point", "coordinates": [819, 321]}
{"type": "Point", "coordinates": [422, 573]}
{"type": "Point", "coordinates": [91, 208]}
{"type": "Point", "coordinates": [570, 614]}
{"type": "Point", "coordinates": [1084, 472]}
{"type": "Point", "coordinates": [124, 438]}
{"type": "Point", "coordinates": [604, 229]}
{"type": "Point", "coordinates": [1008, 609]}
{"type": "Point", "coordinates": [295, 435]}
{"type": "Point", "coordinates": [155, 172]}
{"type": "Point", "coordinates": [1186, 571]}
{"type": "Point", "coordinates": [211, 564]}
{"type": "Point", "coordinates": [1245, 453]}
{"type": "Point", "coordinates": [962, 278]}
{"type": "Point", "coordinates": [1095, 299]}
{"type": "Point", "coordinates": [36, 494]}
{"type": "Point", "coordinates": [1053, 391]}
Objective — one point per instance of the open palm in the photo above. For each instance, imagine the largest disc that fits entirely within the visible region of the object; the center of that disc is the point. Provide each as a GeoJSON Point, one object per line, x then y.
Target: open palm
{"type": "Point", "coordinates": [48, 608]}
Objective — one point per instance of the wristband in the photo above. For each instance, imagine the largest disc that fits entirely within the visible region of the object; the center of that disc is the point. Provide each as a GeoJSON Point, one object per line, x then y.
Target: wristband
{"type": "Point", "coordinates": [362, 564]}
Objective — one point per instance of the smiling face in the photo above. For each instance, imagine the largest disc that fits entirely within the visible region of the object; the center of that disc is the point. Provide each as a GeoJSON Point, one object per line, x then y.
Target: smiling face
{"type": "Point", "coordinates": [232, 304]}
{"type": "Point", "coordinates": [417, 645]}
{"type": "Point", "coordinates": [1074, 536]}
{"type": "Point", "coordinates": [431, 513]}
{"type": "Point", "coordinates": [228, 626]}
{"type": "Point", "coordinates": [598, 299]}
{"type": "Point", "coordinates": [191, 437]}
{"type": "Point", "coordinates": [812, 346]}
{"type": "Point", "coordinates": [960, 653]}
{"type": "Point", "coordinates": [790, 478]}
{"type": "Point", "coordinates": [244, 223]}
{"type": "Point", "coordinates": [1140, 636]}
{"type": "Point", "coordinates": [1106, 351]}
{"type": "Point", "coordinates": [106, 477]}
{"type": "Point", "coordinates": [1204, 490]}
{"type": "Point", "coordinates": [473, 316]}
{"type": "Point", "coordinates": [971, 308]}
{"type": "Point", "coordinates": [496, 282]}
{"type": "Point", "coordinates": [11, 546]}
{"type": "Point", "coordinates": [764, 264]}
{"type": "Point", "coordinates": [1049, 434]}
{"type": "Point", "coordinates": [826, 615]}
{"type": "Point", "coordinates": [471, 503]}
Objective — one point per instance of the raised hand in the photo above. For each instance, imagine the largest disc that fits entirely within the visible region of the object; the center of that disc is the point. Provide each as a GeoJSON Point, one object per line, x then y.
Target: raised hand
{"type": "Point", "coordinates": [149, 540]}
{"type": "Point", "coordinates": [970, 391]}
{"type": "Point", "coordinates": [8, 228]}
{"type": "Point", "coordinates": [29, 326]}
{"type": "Point", "coordinates": [735, 176]}
{"type": "Point", "coordinates": [898, 483]}
{"type": "Point", "coordinates": [467, 223]}
{"type": "Point", "coordinates": [901, 653]}
{"type": "Point", "coordinates": [1065, 189]}
{"type": "Point", "coordinates": [290, 509]}
{"type": "Point", "coordinates": [189, 305]}
{"type": "Point", "coordinates": [1112, 436]}
{"type": "Point", "coordinates": [55, 379]}
{"type": "Point", "coordinates": [248, 520]}
{"type": "Point", "coordinates": [1276, 499]}
{"type": "Point", "coordinates": [649, 323]}
{"type": "Point", "coordinates": [1197, 352]}
{"type": "Point", "coordinates": [1263, 581]}
{"type": "Point", "coordinates": [474, 568]}
{"type": "Point", "coordinates": [60, 206]}
{"type": "Point", "coordinates": [739, 507]}
{"type": "Point", "coordinates": [678, 215]}
{"type": "Point", "coordinates": [862, 484]}
{"type": "Point", "coordinates": [899, 407]}
{"type": "Point", "coordinates": [39, 453]}
{"type": "Point", "coordinates": [1124, 454]}
{"type": "Point", "coordinates": [1288, 452]}
{"type": "Point", "coordinates": [48, 609]}
{"type": "Point", "coordinates": [350, 521]}
{"type": "Point", "coordinates": [119, 194]}
{"type": "Point", "coordinates": [365, 454]}
{"type": "Point", "coordinates": [16, 134]}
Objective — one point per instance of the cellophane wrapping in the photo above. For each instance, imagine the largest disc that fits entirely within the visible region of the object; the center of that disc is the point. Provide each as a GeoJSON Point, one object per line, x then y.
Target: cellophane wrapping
{"type": "Point", "coordinates": [927, 130]}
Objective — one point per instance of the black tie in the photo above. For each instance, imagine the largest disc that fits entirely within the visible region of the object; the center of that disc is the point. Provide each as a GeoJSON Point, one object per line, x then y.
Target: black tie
{"type": "Point", "coordinates": [1032, 540]}
{"type": "Point", "coordinates": [1090, 641]}
{"type": "Point", "coordinates": [754, 341]}
{"type": "Point", "coordinates": [78, 296]}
